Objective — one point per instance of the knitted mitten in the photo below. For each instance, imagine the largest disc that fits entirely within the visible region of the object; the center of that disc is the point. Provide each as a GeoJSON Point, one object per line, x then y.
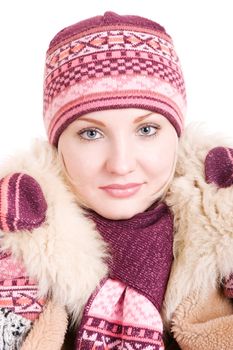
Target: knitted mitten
{"type": "Point", "coordinates": [22, 208]}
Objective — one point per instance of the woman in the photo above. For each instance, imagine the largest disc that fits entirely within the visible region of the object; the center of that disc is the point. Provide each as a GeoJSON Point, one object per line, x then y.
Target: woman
{"type": "Point", "coordinates": [95, 236]}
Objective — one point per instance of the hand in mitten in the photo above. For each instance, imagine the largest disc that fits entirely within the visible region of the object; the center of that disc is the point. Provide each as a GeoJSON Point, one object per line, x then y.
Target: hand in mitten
{"type": "Point", "coordinates": [219, 167]}
{"type": "Point", "coordinates": [22, 203]}
{"type": "Point", "coordinates": [22, 208]}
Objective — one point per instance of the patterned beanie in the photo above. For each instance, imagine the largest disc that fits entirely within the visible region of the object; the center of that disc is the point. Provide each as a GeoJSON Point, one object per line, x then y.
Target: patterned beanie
{"type": "Point", "coordinates": [109, 62]}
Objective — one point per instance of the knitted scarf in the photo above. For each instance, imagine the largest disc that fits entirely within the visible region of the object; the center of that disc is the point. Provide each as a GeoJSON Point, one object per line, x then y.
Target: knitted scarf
{"type": "Point", "coordinates": [125, 308]}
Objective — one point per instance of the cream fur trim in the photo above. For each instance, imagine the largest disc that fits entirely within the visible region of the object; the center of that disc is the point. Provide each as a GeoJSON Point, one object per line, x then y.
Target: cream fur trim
{"type": "Point", "coordinates": [203, 241]}
{"type": "Point", "coordinates": [48, 331]}
{"type": "Point", "coordinates": [66, 254]}
{"type": "Point", "coordinates": [204, 324]}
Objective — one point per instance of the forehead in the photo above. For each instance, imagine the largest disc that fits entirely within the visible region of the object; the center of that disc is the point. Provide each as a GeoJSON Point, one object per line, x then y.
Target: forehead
{"type": "Point", "coordinates": [119, 116]}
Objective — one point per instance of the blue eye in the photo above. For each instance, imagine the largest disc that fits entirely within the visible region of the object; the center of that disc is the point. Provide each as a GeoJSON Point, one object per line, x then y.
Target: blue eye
{"type": "Point", "coordinates": [148, 130]}
{"type": "Point", "coordinates": [90, 134]}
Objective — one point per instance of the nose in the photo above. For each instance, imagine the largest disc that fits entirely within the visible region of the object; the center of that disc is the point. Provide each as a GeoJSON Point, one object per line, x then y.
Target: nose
{"type": "Point", "coordinates": [121, 157]}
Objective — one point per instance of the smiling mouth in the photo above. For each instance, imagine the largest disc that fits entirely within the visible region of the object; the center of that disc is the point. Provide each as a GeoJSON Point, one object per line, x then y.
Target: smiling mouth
{"type": "Point", "coordinates": [122, 191]}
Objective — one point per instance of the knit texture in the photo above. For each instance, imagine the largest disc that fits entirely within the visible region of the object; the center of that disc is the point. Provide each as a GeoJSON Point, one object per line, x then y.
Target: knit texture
{"type": "Point", "coordinates": [22, 203]}
{"type": "Point", "coordinates": [118, 317]}
{"type": "Point", "coordinates": [108, 62]}
{"type": "Point", "coordinates": [18, 292]}
{"type": "Point", "coordinates": [219, 167]}
{"type": "Point", "coordinates": [22, 207]}
{"type": "Point", "coordinates": [123, 313]}
{"type": "Point", "coordinates": [141, 250]}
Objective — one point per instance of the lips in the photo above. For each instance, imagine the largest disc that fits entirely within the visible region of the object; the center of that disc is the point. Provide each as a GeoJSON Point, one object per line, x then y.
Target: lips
{"type": "Point", "coordinates": [122, 191]}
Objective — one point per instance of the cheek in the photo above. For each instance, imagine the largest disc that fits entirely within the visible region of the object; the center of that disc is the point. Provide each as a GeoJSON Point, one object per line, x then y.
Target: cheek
{"type": "Point", "coordinates": [160, 161]}
{"type": "Point", "coordinates": [79, 163]}
{"type": "Point", "coordinates": [158, 166]}
{"type": "Point", "coordinates": [82, 167]}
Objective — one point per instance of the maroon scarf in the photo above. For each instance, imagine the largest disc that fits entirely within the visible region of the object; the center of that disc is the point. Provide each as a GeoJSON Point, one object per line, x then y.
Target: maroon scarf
{"type": "Point", "coordinates": [141, 250]}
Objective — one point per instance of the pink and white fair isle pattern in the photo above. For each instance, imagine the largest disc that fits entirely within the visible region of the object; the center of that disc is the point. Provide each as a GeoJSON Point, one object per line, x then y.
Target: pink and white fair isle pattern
{"type": "Point", "coordinates": [112, 68]}
{"type": "Point", "coordinates": [119, 318]}
{"type": "Point", "coordinates": [18, 292]}
{"type": "Point", "coordinates": [22, 207]}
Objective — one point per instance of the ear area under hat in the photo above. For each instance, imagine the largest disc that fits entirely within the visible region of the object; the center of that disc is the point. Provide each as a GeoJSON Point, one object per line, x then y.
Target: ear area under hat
{"type": "Point", "coordinates": [22, 203]}
{"type": "Point", "coordinates": [219, 167]}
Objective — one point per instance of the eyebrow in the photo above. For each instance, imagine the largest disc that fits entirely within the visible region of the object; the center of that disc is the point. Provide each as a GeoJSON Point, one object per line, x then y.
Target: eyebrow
{"type": "Point", "coordinates": [91, 120]}
{"type": "Point", "coordinates": [98, 122]}
{"type": "Point", "coordinates": [139, 119]}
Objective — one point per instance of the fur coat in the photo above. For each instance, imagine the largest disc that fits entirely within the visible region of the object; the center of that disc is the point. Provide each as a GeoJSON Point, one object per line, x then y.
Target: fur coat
{"type": "Point", "coordinates": [201, 197]}
{"type": "Point", "coordinates": [67, 256]}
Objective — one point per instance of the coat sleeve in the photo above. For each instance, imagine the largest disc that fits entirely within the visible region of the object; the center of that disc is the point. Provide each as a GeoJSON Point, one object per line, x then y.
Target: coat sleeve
{"type": "Point", "coordinates": [207, 323]}
{"type": "Point", "coordinates": [49, 329]}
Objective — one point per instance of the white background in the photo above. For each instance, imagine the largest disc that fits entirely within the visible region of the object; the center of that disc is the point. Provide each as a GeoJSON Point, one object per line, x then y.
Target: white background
{"type": "Point", "coordinates": [202, 31]}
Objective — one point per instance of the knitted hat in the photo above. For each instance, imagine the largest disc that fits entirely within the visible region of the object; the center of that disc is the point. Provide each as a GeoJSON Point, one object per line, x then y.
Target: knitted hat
{"type": "Point", "coordinates": [109, 62]}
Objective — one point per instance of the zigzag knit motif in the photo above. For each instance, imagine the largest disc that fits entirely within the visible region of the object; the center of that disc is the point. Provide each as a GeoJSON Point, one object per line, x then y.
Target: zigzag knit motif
{"type": "Point", "coordinates": [117, 317]}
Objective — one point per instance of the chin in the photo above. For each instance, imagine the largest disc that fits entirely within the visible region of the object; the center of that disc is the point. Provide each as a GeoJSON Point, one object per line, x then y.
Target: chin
{"type": "Point", "coordinates": [119, 217]}
{"type": "Point", "coordinates": [119, 214]}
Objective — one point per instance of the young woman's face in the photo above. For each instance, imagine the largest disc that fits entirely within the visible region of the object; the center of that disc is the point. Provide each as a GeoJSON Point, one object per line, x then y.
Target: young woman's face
{"type": "Point", "coordinates": [119, 160]}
